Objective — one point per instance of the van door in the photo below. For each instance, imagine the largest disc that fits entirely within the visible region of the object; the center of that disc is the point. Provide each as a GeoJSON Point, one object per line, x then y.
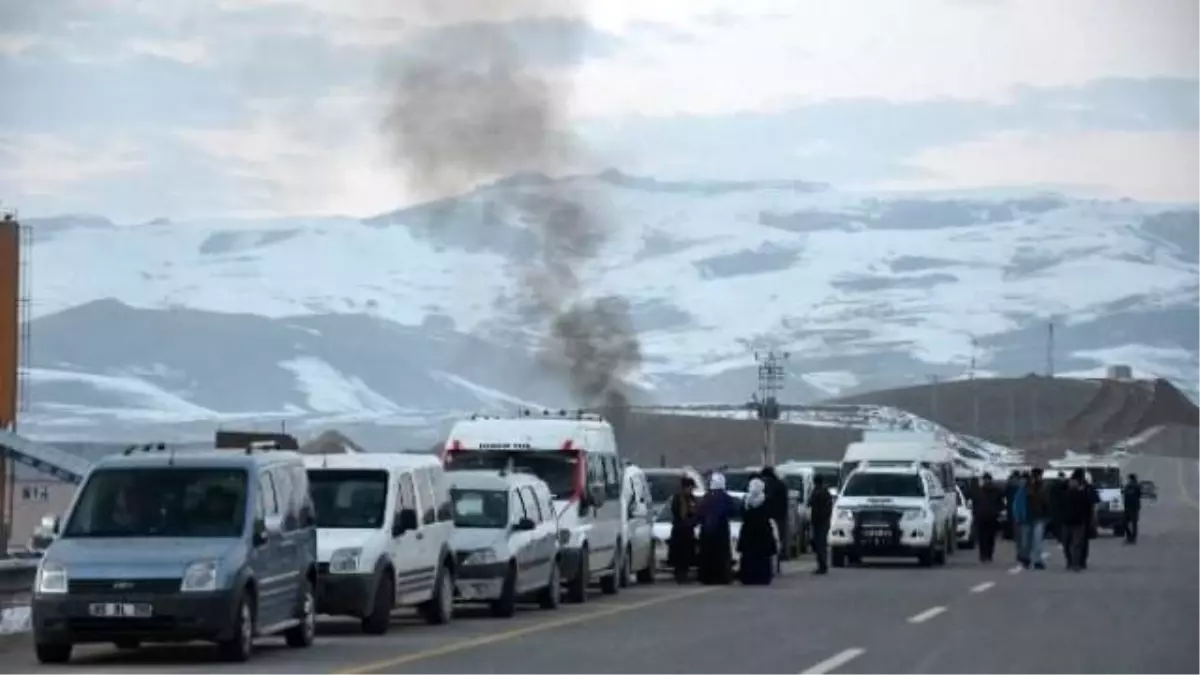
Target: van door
{"type": "Point", "coordinates": [269, 561]}
{"type": "Point", "coordinates": [640, 523]}
{"type": "Point", "coordinates": [414, 575]}
{"type": "Point", "coordinates": [520, 541]}
{"type": "Point", "coordinates": [293, 536]}
{"type": "Point", "coordinates": [542, 539]}
{"type": "Point", "coordinates": [436, 530]}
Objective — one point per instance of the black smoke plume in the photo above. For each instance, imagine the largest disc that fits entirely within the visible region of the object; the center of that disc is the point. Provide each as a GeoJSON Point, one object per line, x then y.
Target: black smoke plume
{"type": "Point", "coordinates": [466, 111]}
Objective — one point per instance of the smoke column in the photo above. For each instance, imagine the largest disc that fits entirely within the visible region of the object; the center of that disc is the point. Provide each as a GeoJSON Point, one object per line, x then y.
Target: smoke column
{"type": "Point", "coordinates": [468, 111]}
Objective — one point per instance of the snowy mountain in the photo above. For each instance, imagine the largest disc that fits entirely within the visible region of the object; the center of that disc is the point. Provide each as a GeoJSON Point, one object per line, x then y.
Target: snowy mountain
{"type": "Point", "coordinates": [412, 316]}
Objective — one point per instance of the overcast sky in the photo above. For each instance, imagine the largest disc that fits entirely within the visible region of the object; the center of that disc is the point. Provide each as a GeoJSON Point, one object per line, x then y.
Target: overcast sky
{"type": "Point", "coordinates": [142, 108]}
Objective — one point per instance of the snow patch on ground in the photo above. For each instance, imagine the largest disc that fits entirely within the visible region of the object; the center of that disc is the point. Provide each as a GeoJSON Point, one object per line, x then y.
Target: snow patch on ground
{"type": "Point", "coordinates": [329, 391]}
{"type": "Point", "coordinates": [147, 401]}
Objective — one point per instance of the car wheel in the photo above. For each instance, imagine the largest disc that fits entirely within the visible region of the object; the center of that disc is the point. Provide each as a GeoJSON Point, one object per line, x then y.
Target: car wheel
{"type": "Point", "coordinates": [53, 652]}
{"type": "Point", "coordinates": [303, 635]}
{"type": "Point", "coordinates": [380, 618]}
{"type": "Point", "coordinates": [238, 648]}
{"type": "Point", "coordinates": [611, 584]}
{"type": "Point", "coordinates": [506, 605]}
{"type": "Point", "coordinates": [627, 568]}
{"type": "Point", "coordinates": [440, 608]}
{"type": "Point", "coordinates": [646, 574]}
{"type": "Point", "coordinates": [577, 589]}
{"type": "Point", "coordinates": [549, 596]}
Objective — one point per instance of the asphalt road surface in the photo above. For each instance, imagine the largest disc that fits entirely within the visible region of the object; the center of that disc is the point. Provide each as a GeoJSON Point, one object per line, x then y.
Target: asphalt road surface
{"type": "Point", "coordinates": [1134, 610]}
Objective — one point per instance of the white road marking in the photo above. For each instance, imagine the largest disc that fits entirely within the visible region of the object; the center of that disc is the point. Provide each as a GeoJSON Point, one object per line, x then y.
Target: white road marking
{"type": "Point", "coordinates": [834, 662]}
{"type": "Point", "coordinates": [926, 615]}
{"type": "Point", "coordinates": [979, 588]}
{"type": "Point", "coordinates": [1016, 570]}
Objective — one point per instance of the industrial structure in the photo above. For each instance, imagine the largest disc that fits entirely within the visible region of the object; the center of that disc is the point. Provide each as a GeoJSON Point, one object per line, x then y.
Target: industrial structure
{"type": "Point", "coordinates": [10, 346]}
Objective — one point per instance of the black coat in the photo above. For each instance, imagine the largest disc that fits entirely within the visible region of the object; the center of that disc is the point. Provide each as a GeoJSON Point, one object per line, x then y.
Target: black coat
{"type": "Point", "coordinates": [777, 498]}
{"type": "Point", "coordinates": [988, 503]}
{"type": "Point", "coordinates": [1131, 494]}
{"type": "Point", "coordinates": [1076, 507]}
{"type": "Point", "coordinates": [757, 537]}
{"type": "Point", "coordinates": [820, 505]}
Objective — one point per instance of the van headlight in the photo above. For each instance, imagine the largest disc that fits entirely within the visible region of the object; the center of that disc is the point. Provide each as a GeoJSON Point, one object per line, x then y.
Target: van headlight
{"type": "Point", "coordinates": [51, 578]}
{"type": "Point", "coordinates": [915, 514]}
{"type": "Point", "coordinates": [482, 557]}
{"type": "Point", "coordinates": [200, 576]}
{"type": "Point", "coordinates": [345, 560]}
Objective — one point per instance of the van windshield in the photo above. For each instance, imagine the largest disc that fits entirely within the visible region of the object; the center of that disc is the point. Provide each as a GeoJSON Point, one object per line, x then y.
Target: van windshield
{"type": "Point", "coordinates": [555, 467]}
{"type": "Point", "coordinates": [349, 498]}
{"type": "Point", "coordinates": [1105, 477]}
{"type": "Point", "coordinates": [480, 508]}
{"type": "Point", "coordinates": [160, 502]}
{"type": "Point", "coordinates": [883, 485]}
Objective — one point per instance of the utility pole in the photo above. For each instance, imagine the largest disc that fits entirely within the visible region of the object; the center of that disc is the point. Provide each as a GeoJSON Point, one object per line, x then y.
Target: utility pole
{"type": "Point", "coordinates": [771, 375]}
{"type": "Point", "coordinates": [1050, 349]}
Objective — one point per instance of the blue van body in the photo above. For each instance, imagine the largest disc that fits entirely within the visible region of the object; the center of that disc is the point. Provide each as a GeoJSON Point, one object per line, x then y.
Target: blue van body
{"type": "Point", "coordinates": [216, 545]}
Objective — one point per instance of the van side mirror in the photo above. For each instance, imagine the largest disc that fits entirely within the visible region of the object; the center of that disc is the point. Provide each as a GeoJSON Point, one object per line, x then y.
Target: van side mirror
{"type": "Point", "coordinates": [259, 536]}
{"type": "Point", "coordinates": [406, 521]}
{"type": "Point", "coordinates": [524, 525]}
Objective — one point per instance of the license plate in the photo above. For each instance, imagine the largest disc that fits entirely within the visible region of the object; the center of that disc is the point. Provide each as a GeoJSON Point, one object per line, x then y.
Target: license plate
{"type": "Point", "coordinates": [120, 610]}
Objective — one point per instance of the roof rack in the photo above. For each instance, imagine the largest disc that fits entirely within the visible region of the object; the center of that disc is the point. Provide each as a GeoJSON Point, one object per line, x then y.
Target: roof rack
{"type": "Point", "coordinates": [145, 447]}
{"type": "Point", "coordinates": [546, 413]}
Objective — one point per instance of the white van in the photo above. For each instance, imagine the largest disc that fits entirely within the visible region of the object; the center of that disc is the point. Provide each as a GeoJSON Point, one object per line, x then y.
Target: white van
{"type": "Point", "coordinates": [637, 526]}
{"type": "Point", "coordinates": [505, 539]}
{"type": "Point", "coordinates": [576, 455]}
{"type": "Point", "coordinates": [923, 449]}
{"type": "Point", "coordinates": [384, 522]}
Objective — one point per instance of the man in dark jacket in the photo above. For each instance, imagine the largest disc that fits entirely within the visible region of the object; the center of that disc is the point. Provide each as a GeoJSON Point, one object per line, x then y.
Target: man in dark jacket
{"type": "Point", "coordinates": [1076, 513]}
{"type": "Point", "coordinates": [777, 508]}
{"type": "Point", "coordinates": [820, 508]}
{"type": "Point", "coordinates": [986, 506]}
{"type": "Point", "coordinates": [1093, 498]}
{"type": "Point", "coordinates": [1037, 511]}
{"type": "Point", "coordinates": [1010, 499]}
{"type": "Point", "coordinates": [1131, 495]}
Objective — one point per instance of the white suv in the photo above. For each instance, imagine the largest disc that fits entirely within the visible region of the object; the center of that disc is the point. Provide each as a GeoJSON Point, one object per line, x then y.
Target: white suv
{"type": "Point", "coordinates": [891, 511]}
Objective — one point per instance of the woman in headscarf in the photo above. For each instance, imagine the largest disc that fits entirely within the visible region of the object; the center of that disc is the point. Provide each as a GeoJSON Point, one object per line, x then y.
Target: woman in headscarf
{"type": "Point", "coordinates": [682, 546]}
{"type": "Point", "coordinates": [716, 557]}
{"type": "Point", "coordinates": [756, 542]}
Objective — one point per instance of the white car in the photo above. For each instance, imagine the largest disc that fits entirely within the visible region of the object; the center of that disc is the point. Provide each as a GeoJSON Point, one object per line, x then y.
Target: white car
{"type": "Point", "coordinates": [964, 522]}
{"type": "Point", "coordinates": [891, 511]}
{"type": "Point", "coordinates": [505, 539]}
{"type": "Point", "coordinates": [637, 526]}
{"type": "Point", "coordinates": [662, 532]}
{"type": "Point", "coordinates": [384, 524]}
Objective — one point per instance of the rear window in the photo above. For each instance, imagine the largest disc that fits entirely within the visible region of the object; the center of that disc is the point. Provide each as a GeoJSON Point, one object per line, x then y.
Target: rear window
{"type": "Point", "coordinates": [884, 485]}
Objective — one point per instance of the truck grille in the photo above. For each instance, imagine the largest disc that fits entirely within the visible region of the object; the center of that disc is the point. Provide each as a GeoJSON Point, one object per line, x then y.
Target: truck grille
{"type": "Point", "coordinates": [877, 526]}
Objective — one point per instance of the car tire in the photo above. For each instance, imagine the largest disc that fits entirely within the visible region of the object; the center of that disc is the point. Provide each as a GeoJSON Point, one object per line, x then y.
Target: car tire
{"type": "Point", "coordinates": [304, 634]}
{"type": "Point", "coordinates": [53, 652]}
{"type": "Point", "coordinates": [238, 648]}
{"type": "Point", "coordinates": [577, 589]}
{"type": "Point", "coordinates": [627, 568]}
{"type": "Point", "coordinates": [925, 557]}
{"type": "Point", "coordinates": [440, 608]}
{"type": "Point", "coordinates": [550, 596]}
{"type": "Point", "coordinates": [611, 584]}
{"type": "Point", "coordinates": [380, 619]}
{"type": "Point", "coordinates": [646, 574]}
{"type": "Point", "coordinates": [505, 606]}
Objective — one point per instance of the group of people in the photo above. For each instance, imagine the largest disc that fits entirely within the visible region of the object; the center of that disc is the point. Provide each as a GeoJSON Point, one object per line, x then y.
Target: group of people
{"type": "Point", "coordinates": [761, 543]}
{"type": "Point", "coordinates": [1066, 510]}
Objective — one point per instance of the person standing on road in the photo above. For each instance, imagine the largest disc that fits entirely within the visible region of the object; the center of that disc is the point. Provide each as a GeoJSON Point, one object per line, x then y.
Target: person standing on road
{"type": "Point", "coordinates": [986, 507]}
{"type": "Point", "coordinates": [1131, 494]}
{"type": "Point", "coordinates": [1037, 508]}
{"type": "Point", "coordinates": [716, 556]}
{"type": "Point", "coordinates": [1018, 516]}
{"type": "Point", "coordinates": [1093, 496]}
{"type": "Point", "coordinates": [1010, 497]}
{"type": "Point", "coordinates": [1076, 514]}
{"type": "Point", "coordinates": [756, 542]}
{"type": "Point", "coordinates": [777, 508]}
{"type": "Point", "coordinates": [681, 549]}
{"type": "Point", "coordinates": [820, 508]}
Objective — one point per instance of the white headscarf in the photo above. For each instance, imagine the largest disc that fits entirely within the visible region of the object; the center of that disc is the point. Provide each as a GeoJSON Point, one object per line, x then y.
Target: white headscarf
{"type": "Point", "coordinates": [716, 481]}
{"type": "Point", "coordinates": [756, 493]}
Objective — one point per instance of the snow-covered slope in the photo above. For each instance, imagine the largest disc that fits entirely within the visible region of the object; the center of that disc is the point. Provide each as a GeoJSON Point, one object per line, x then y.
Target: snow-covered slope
{"type": "Point", "coordinates": [413, 313]}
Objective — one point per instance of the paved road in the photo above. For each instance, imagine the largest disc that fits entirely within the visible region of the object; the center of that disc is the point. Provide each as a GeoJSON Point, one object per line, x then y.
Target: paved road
{"type": "Point", "coordinates": [1134, 611]}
